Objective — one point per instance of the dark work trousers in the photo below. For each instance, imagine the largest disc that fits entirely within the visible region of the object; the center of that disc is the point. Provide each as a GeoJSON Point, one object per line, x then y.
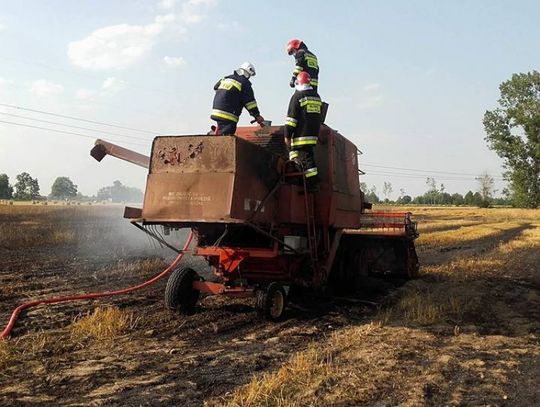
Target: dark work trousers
{"type": "Point", "coordinates": [305, 157]}
{"type": "Point", "coordinates": [225, 127]}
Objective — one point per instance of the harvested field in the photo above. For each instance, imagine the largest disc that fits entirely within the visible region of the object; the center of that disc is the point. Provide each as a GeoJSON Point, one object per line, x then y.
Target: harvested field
{"type": "Point", "coordinates": [464, 333]}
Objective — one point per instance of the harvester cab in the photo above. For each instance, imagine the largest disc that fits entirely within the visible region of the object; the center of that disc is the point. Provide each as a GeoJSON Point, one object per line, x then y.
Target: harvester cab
{"type": "Point", "coordinates": [255, 225]}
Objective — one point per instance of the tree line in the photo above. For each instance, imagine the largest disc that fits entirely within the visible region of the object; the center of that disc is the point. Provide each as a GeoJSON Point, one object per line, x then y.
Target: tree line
{"type": "Point", "coordinates": [437, 195]}
{"type": "Point", "coordinates": [26, 188]}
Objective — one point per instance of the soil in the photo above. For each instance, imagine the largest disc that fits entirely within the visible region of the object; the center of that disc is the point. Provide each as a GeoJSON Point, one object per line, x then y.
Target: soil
{"type": "Point", "coordinates": [168, 359]}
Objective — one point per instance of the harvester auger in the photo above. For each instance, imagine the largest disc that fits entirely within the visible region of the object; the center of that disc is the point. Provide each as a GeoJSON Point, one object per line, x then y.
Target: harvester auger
{"type": "Point", "coordinates": [257, 229]}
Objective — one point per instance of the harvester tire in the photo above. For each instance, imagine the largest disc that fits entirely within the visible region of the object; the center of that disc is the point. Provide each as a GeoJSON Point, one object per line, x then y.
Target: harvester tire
{"type": "Point", "coordinates": [414, 265]}
{"type": "Point", "coordinates": [270, 301]}
{"type": "Point", "coordinates": [179, 293]}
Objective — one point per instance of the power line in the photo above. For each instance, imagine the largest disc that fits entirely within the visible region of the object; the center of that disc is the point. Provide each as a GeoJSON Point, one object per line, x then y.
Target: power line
{"type": "Point", "coordinates": [414, 176]}
{"type": "Point", "coordinates": [78, 118]}
{"type": "Point", "coordinates": [420, 176]}
{"type": "Point", "coordinates": [97, 101]}
{"type": "Point", "coordinates": [74, 127]}
{"type": "Point", "coordinates": [382, 172]}
{"type": "Point", "coordinates": [81, 74]}
{"type": "Point", "coordinates": [424, 171]}
{"type": "Point", "coordinates": [391, 174]}
{"type": "Point", "coordinates": [66, 132]}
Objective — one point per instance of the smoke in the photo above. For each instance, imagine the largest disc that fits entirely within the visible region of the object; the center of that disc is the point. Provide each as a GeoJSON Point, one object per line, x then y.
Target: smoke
{"type": "Point", "coordinates": [104, 232]}
{"type": "Point", "coordinates": [105, 236]}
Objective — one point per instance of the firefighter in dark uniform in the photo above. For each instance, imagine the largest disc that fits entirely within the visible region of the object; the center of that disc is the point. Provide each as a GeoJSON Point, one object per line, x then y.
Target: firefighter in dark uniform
{"type": "Point", "coordinates": [233, 93]}
{"type": "Point", "coordinates": [306, 61]}
{"type": "Point", "coordinates": [302, 128]}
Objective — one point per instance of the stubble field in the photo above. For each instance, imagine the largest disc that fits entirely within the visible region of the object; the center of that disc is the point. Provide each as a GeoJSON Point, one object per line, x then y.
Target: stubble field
{"type": "Point", "coordinates": [464, 333]}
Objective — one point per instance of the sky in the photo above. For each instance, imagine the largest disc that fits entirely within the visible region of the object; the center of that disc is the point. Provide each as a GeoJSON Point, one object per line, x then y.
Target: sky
{"type": "Point", "coordinates": [407, 82]}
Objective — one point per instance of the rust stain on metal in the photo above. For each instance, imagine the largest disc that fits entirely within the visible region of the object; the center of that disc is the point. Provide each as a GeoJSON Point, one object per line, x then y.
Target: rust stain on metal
{"type": "Point", "coordinates": [188, 154]}
{"type": "Point", "coordinates": [208, 178]}
{"type": "Point", "coordinates": [173, 156]}
{"type": "Point", "coordinates": [221, 179]}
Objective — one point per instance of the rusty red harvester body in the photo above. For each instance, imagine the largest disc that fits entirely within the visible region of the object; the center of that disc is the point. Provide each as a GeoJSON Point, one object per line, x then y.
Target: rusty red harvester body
{"type": "Point", "coordinates": [255, 226]}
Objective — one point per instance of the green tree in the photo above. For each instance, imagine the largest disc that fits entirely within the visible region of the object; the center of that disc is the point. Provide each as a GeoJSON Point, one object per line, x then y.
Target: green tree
{"type": "Point", "coordinates": [457, 199]}
{"type": "Point", "coordinates": [479, 201]}
{"type": "Point", "coordinates": [513, 132]}
{"type": "Point", "coordinates": [432, 184]}
{"type": "Point", "coordinates": [26, 187]}
{"type": "Point", "coordinates": [6, 190]}
{"type": "Point", "coordinates": [120, 193]}
{"type": "Point", "coordinates": [364, 188]}
{"type": "Point", "coordinates": [444, 198]}
{"type": "Point", "coordinates": [405, 199]}
{"type": "Point", "coordinates": [485, 188]}
{"type": "Point", "coordinates": [83, 198]}
{"type": "Point", "coordinates": [371, 195]}
{"type": "Point", "coordinates": [432, 195]}
{"type": "Point", "coordinates": [63, 188]}
{"type": "Point", "coordinates": [387, 189]}
{"type": "Point", "coordinates": [503, 201]}
{"type": "Point", "coordinates": [469, 198]}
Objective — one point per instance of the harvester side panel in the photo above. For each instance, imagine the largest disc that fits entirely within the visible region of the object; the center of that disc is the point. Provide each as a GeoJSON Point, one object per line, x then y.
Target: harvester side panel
{"type": "Point", "coordinates": [193, 197]}
{"type": "Point", "coordinates": [340, 202]}
{"type": "Point", "coordinates": [208, 179]}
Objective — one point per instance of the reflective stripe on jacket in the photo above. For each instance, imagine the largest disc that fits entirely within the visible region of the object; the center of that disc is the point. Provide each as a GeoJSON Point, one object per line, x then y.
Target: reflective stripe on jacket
{"type": "Point", "coordinates": [224, 115]}
{"type": "Point", "coordinates": [308, 62]}
{"type": "Point", "coordinates": [303, 118]}
{"type": "Point", "coordinates": [233, 93]}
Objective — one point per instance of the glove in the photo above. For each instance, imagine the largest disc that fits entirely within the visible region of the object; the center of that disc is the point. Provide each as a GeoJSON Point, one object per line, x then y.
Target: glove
{"type": "Point", "coordinates": [259, 119]}
{"type": "Point", "coordinates": [291, 83]}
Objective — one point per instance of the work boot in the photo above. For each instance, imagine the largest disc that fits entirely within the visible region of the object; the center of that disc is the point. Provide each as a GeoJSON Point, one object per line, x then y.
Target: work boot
{"type": "Point", "coordinates": [313, 184]}
{"type": "Point", "coordinates": [296, 180]}
{"type": "Point", "coordinates": [313, 188]}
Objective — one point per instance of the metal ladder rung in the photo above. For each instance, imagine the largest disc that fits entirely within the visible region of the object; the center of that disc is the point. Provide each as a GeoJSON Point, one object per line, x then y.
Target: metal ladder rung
{"type": "Point", "coordinates": [310, 223]}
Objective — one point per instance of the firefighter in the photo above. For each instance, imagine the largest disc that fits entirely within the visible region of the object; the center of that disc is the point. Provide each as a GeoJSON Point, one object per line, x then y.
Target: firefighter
{"type": "Point", "coordinates": [233, 93]}
{"type": "Point", "coordinates": [302, 128]}
{"type": "Point", "coordinates": [306, 61]}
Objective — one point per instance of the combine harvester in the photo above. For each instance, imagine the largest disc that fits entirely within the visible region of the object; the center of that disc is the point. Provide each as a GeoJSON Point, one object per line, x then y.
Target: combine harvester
{"type": "Point", "coordinates": [261, 234]}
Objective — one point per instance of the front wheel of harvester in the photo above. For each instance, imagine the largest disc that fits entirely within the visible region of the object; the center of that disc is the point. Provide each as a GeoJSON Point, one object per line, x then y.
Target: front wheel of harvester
{"type": "Point", "coordinates": [270, 302]}
{"type": "Point", "coordinates": [179, 293]}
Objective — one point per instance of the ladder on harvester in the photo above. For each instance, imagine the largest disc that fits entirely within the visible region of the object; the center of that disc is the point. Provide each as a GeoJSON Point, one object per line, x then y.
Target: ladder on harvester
{"type": "Point", "coordinates": [310, 216]}
{"type": "Point", "coordinates": [309, 200]}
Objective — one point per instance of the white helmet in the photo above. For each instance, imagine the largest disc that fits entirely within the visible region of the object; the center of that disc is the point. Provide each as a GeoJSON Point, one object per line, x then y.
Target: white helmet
{"type": "Point", "coordinates": [247, 69]}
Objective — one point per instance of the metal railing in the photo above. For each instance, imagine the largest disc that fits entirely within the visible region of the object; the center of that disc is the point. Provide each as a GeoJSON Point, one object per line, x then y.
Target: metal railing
{"type": "Point", "coordinates": [391, 223]}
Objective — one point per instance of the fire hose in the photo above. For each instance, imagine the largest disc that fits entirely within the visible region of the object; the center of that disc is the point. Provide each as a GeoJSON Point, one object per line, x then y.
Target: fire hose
{"type": "Point", "coordinates": [90, 296]}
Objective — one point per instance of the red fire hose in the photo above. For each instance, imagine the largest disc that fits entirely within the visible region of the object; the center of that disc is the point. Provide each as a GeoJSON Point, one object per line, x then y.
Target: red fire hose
{"type": "Point", "coordinates": [90, 296]}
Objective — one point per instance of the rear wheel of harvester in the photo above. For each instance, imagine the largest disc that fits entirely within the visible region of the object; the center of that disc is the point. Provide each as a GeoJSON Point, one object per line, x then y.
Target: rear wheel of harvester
{"type": "Point", "coordinates": [350, 267]}
{"type": "Point", "coordinates": [413, 265]}
{"type": "Point", "coordinates": [179, 293]}
{"type": "Point", "coordinates": [406, 261]}
{"type": "Point", "coordinates": [270, 301]}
